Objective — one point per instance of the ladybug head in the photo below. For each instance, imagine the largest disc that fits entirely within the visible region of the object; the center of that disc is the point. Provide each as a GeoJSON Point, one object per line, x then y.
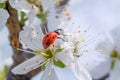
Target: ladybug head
{"type": "Point", "coordinates": [59, 31]}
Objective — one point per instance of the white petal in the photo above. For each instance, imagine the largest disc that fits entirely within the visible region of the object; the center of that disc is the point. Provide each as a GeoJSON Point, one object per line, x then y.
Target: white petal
{"type": "Point", "coordinates": [115, 33]}
{"type": "Point", "coordinates": [65, 74]}
{"type": "Point", "coordinates": [3, 18]}
{"type": "Point", "coordinates": [32, 37]}
{"type": "Point", "coordinates": [53, 23]}
{"type": "Point", "coordinates": [115, 73]}
{"type": "Point", "coordinates": [28, 65]}
{"type": "Point", "coordinates": [96, 63]}
{"type": "Point", "coordinates": [53, 17]}
{"type": "Point", "coordinates": [32, 15]}
{"type": "Point", "coordinates": [66, 55]}
{"type": "Point", "coordinates": [47, 4]}
{"type": "Point", "coordinates": [21, 5]}
{"type": "Point", "coordinates": [1, 1]}
{"type": "Point", "coordinates": [81, 72]}
{"type": "Point", "coordinates": [49, 73]}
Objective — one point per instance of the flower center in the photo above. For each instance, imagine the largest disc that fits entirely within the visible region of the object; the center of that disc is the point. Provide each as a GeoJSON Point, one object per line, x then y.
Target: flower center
{"type": "Point", "coordinates": [49, 53]}
{"type": "Point", "coordinates": [115, 55]}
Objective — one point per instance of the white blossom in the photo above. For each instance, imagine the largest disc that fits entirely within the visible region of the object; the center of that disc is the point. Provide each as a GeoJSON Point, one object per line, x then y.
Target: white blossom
{"type": "Point", "coordinates": [21, 5]}
{"type": "Point", "coordinates": [50, 13]}
{"type": "Point", "coordinates": [84, 40]}
{"type": "Point", "coordinates": [110, 50]}
{"type": "Point", "coordinates": [60, 55]}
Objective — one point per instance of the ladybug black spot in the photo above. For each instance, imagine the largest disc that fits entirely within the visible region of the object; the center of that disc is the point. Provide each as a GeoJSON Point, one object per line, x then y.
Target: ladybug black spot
{"type": "Point", "coordinates": [47, 43]}
{"type": "Point", "coordinates": [47, 36]}
{"type": "Point", "coordinates": [53, 37]}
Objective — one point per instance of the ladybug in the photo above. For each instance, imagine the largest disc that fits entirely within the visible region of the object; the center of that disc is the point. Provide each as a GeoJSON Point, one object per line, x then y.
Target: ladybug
{"type": "Point", "coordinates": [50, 38]}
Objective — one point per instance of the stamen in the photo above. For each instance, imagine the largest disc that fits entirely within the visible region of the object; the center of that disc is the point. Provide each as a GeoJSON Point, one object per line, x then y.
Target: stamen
{"type": "Point", "coordinates": [40, 52]}
{"type": "Point", "coordinates": [88, 41]}
{"type": "Point", "coordinates": [34, 65]}
{"type": "Point", "coordinates": [48, 74]}
{"type": "Point", "coordinates": [49, 4]}
{"type": "Point", "coordinates": [25, 51]}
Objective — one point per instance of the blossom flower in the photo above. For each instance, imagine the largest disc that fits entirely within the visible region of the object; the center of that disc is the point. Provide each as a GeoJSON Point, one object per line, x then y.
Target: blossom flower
{"type": "Point", "coordinates": [84, 40]}
{"type": "Point", "coordinates": [111, 51]}
{"type": "Point", "coordinates": [4, 16]}
{"type": "Point", "coordinates": [47, 11]}
{"type": "Point", "coordinates": [60, 54]}
{"type": "Point", "coordinates": [20, 5]}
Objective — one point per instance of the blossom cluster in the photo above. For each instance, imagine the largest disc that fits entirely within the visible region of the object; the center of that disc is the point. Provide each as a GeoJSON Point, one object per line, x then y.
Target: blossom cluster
{"type": "Point", "coordinates": [43, 17]}
{"type": "Point", "coordinates": [39, 17]}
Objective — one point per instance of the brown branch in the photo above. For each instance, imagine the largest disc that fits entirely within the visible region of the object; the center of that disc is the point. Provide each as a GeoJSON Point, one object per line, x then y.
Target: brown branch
{"type": "Point", "coordinates": [62, 2]}
{"type": "Point", "coordinates": [103, 78]}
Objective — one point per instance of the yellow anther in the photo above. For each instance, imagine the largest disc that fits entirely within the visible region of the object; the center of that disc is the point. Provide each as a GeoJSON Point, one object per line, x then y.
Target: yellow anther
{"type": "Point", "coordinates": [69, 18]}
{"type": "Point", "coordinates": [86, 50]}
{"type": "Point", "coordinates": [32, 28]}
{"type": "Point", "coordinates": [48, 74]}
{"type": "Point", "coordinates": [30, 39]}
{"type": "Point", "coordinates": [37, 33]}
{"type": "Point", "coordinates": [52, 68]}
{"type": "Point", "coordinates": [37, 61]}
{"type": "Point", "coordinates": [67, 13]}
{"type": "Point", "coordinates": [38, 52]}
{"type": "Point", "coordinates": [78, 31]}
{"type": "Point", "coordinates": [87, 63]}
{"type": "Point", "coordinates": [57, 2]}
{"type": "Point", "coordinates": [24, 68]}
{"type": "Point", "coordinates": [31, 6]}
{"type": "Point", "coordinates": [26, 45]}
{"type": "Point", "coordinates": [82, 40]}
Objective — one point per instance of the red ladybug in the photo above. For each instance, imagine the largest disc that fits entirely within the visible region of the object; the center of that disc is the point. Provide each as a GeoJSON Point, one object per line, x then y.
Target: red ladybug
{"type": "Point", "coordinates": [50, 38]}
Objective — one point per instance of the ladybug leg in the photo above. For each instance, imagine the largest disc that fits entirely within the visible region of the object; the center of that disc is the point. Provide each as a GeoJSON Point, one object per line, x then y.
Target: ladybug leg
{"type": "Point", "coordinates": [62, 39]}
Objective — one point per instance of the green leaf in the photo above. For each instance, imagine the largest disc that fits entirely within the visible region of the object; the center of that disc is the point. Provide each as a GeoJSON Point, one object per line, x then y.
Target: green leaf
{"type": "Point", "coordinates": [43, 67]}
{"type": "Point", "coordinates": [112, 64]}
{"type": "Point", "coordinates": [42, 16]}
{"type": "Point", "coordinates": [59, 63]}
{"type": "Point", "coordinates": [6, 69]}
{"type": "Point", "coordinates": [2, 5]}
{"type": "Point", "coordinates": [3, 73]}
{"type": "Point", "coordinates": [23, 18]}
{"type": "Point", "coordinates": [58, 50]}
